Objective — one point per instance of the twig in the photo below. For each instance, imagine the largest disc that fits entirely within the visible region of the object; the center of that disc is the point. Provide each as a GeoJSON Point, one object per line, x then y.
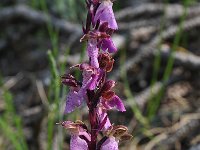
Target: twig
{"type": "Point", "coordinates": [186, 60]}
{"type": "Point", "coordinates": [13, 81]}
{"type": "Point", "coordinates": [131, 12]}
{"type": "Point", "coordinates": [42, 94]}
{"type": "Point", "coordinates": [172, 11]}
{"type": "Point", "coordinates": [140, 23]}
{"type": "Point", "coordinates": [189, 123]}
{"type": "Point", "coordinates": [150, 49]}
{"type": "Point", "coordinates": [37, 18]}
{"type": "Point", "coordinates": [144, 96]}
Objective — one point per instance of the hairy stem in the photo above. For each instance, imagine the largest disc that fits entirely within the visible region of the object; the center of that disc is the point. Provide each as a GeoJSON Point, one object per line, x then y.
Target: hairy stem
{"type": "Point", "coordinates": [94, 124]}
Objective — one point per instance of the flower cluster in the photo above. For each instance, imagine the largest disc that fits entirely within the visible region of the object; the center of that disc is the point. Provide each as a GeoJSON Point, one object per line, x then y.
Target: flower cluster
{"type": "Point", "coordinates": [95, 89]}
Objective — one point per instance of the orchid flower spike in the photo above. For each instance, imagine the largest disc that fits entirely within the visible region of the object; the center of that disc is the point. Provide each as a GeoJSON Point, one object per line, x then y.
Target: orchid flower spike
{"type": "Point", "coordinates": [94, 89]}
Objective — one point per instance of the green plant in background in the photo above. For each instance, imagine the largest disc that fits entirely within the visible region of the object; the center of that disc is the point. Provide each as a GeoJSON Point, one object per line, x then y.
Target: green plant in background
{"type": "Point", "coordinates": [157, 61]}
{"type": "Point", "coordinates": [55, 99]}
{"type": "Point", "coordinates": [155, 101]}
{"type": "Point", "coordinates": [11, 124]}
{"type": "Point", "coordinates": [53, 34]}
{"type": "Point", "coordinates": [130, 97]}
{"type": "Point", "coordinates": [55, 114]}
{"type": "Point", "coordinates": [137, 112]}
{"type": "Point", "coordinates": [72, 10]}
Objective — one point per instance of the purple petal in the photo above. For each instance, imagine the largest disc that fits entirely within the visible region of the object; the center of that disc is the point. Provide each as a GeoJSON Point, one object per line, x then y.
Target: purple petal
{"type": "Point", "coordinates": [85, 134]}
{"type": "Point", "coordinates": [76, 143]}
{"type": "Point", "coordinates": [105, 14]}
{"type": "Point", "coordinates": [117, 102]}
{"type": "Point", "coordinates": [93, 83]}
{"type": "Point", "coordinates": [86, 77]}
{"type": "Point", "coordinates": [93, 52]}
{"type": "Point", "coordinates": [101, 115]}
{"type": "Point", "coordinates": [89, 79]}
{"type": "Point", "coordinates": [110, 144]}
{"type": "Point", "coordinates": [73, 101]}
{"type": "Point", "coordinates": [108, 44]}
{"type": "Point", "coordinates": [90, 84]}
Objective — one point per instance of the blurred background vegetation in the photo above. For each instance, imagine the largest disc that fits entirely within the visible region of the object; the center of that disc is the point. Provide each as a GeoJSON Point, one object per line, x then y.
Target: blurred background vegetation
{"type": "Point", "coordinates": [157, 69]}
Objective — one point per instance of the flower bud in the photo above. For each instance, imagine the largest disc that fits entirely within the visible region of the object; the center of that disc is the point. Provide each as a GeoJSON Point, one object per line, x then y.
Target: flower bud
{"type": "Point", "coordinates": [110, 65]}
{"type": "Point", "coordinates": [119, 131]}
{"type": "Point", "coordinates": [105, 62]}
{"type": "Point", "coordinates": [126, 137]}
{"type": "Point", "coordinates": [69, 80]}
{"type": "Point", "coordinates": [108, 85]}
{"type": "Point", "coordinates": [108, 95]}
